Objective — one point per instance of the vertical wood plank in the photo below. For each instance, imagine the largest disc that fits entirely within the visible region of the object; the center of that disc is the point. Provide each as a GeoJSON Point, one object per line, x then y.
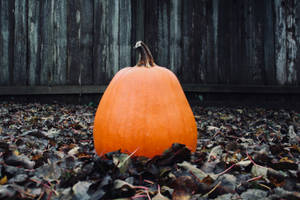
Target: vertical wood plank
{"type": "Point", "coordinates": [46, 71]}
{"type": "Point", "coordinates": [20, 44]}
{"type": "Point", "coordinates": [59, 42]}
{"type": "Point", "coordinates": [34, 42]}
{"type": "Point", "coordinates": [5, 24]}
{"type": "Point", "coordinates": [280, 42]}
{"type": "Point", "coordinates": [151, 27]}
{"type": "Point", "coordinates": [125, 31]}
{"type": "Point", "coordinates": [187, 29]}
{"type": "Point", "coordinates": [139, 14]}
{"type": "Point", "coordinates": [137, 26]}
{"type": "Point", "coordinates": [200, 40]}
{"type": "Point", "coordinates": [74, 35]}
{"type": "Point", "coordinates": [292, 46]}
{"type": "Point", "coordinates": [269, 48]}
{"type": "Point", "coordinates": [297, 33]}
{"type": "Point", "coordinates": [86, 41]}
{"type": "Point", "coordinates": [99, 48]}
{"type": "Point", "coordinates": [224, 38]}
{"type": "Point", "coordinates": [254, 43]}
{"type": "Point", "coordinates": [213, 70]}
{"type": "Point", "coordinates": [258, 72]}
{"type": "Point", "coordinates": [236, 25]}
{"type": "Point", "coordinates": [163, 27]}
{"type": "Point", "coordinates": [175, 35]}
{"type": "Point", "coordinates": [112, 39]}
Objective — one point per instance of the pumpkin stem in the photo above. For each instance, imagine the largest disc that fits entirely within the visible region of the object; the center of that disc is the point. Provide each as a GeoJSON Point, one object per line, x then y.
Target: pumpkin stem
{"type": "Point", "coordinates": [146, 58]}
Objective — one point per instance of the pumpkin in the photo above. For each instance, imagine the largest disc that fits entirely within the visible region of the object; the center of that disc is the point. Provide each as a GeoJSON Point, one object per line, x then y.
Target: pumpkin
{"type": "Point", "coordinates": [143, 111]}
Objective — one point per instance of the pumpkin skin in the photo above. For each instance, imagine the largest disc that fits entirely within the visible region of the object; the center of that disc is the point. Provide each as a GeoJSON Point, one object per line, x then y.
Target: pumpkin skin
{"type": "Point", "coordinates": [143, 111]}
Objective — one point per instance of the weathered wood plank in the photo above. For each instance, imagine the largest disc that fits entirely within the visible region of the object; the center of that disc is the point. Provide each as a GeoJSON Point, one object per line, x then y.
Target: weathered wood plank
{"type": "Point", "coordinates": [151, 28]}
{"type": "Point", "coordinates": [99, 46]}
{"type": "Point", "coordinates": [163, 28]}
{"type": "Point", "coordinates": [74, 35]}
{"type": "Point", "coordinates": [137, 26]}
{"type": "Point", "coordinates": [224, 41]}
{"type": "Point", "coordinates": [291, 45]}
{"type": "Point", "coordinates": [5, 24]}
{"type": "Point", "coordinates": [258, 72]}
{"type": "Point", "coordinates": [86, 41]}
{"type": "Point", "coordinates": [213, 66]}
{"type": "Point", "coordinates": [269, 48]}
{"type": "Point", "coordinates": [112, 42]}
{"type": "Point", "coordinates": [280, 42]}
{"type": "Point", "coordinates": [236, 41]}
{"type": "Point", "coordinates": [106, 40]}
{"type": "Point", "coordinates": [175, 35]}
{"type": "Point", "coordinates": [53, 42]}
{"type": "Point", "coordinates": [47, 43]}
{"type": "Point", "coordinates": [20, 43]}
{"type": "Point", "coordinates": [297, 33]}
{"type": "Point", "coordinates": [188, 48]}
{"type": "Point", "coordinates": [200, 41]}
{"type": "Point", "coordinates": [125, 32]}
{"type": "Point", "coordinates": [60, 42]}
{"type": "Point", "coordinates": [34, 42]}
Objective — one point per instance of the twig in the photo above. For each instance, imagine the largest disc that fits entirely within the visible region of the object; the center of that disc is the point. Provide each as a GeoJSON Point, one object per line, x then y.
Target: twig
{"type": "Point", "coordinates": [145, 191]}
{"type": "Point", "coordinates": [224, 172]}
{"type": "Point", "coordinates": [250, 158]}
{"type": "Point", "coordinates": [23, 192]}
{"type": "Point", "coordinates": [254, 179]}
{"type": "Point", "coordinates": [214, 188]}
{"type": "Point", "coordinates": [45, 185]}
{"type": "Point", "coordinates": [50, 195]}
{"type": "Point", "coordinates": [41, 195]}
{"type": "Point", "coordinates": [217, 133]}
{"type": "Point", "coordinates": [148, 181]}
{"type": "Point", "coordinates": [263, 185]}
{"type": "Point", "coordinates": [148, 195]}
{"type": "Point", "coordinates": [253, 160]}
{"type": "Point", "coordinates": [130, 155]}
{"type": "Point", "coordinates": [140, 187]}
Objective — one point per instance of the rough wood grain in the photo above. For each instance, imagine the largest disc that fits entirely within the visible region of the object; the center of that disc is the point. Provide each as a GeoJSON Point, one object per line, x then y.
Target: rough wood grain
{"type": "Point", "coordinates": [85, 42]}
{"type": "Point", "coordinates": [125, 31]}
{"type": "Point", "coordinates": [297, 33]}
{"type": "Point", "coordinates": [74, 37]}
{"type": "Point", "coordinates": [20, 74]}
{"type": "Point", "coordinates": [34, 42]}
{"type": "Point", "coordinates": [47, 50]}
{"type": "Point", "coordinates": [60, 42]}
{"type": "Point", "coordinates": [99, 46]}
{"type": "Point", "coordinates": [269, 48]}
{"type": "Point", "coordinates": [5, 24]}
{"type": "Point", "coordinates": [175, 35]}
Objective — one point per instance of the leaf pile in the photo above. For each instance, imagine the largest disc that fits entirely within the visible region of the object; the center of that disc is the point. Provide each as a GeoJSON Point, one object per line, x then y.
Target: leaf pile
{"type": "Point", "coordinates": [46, 152]}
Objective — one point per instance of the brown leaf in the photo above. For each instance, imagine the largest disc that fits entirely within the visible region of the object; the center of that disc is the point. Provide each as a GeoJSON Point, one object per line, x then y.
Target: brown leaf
{"type": "Point", "coordinates": [184, 187]}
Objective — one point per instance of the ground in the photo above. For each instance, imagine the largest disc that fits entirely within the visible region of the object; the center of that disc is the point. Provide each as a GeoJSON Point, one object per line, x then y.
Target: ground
{"type": "Point", "coordinates": [46, 152]}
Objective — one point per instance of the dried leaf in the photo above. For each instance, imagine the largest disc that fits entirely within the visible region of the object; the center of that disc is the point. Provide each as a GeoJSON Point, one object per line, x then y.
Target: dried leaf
{"type": "Point", "coordinates": [196, 171]}
{"type": "Point", "coordinates": [3, 180]}
{"type": "Point", "coordinates": [80, 190]}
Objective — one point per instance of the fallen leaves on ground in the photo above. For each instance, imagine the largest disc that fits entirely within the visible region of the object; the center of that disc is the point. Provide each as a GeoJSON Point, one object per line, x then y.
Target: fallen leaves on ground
{"type": "Point", "coordinates": [46, 152]}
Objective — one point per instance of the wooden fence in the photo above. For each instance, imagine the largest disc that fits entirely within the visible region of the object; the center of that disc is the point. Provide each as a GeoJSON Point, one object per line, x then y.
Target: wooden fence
{"type": "Point", "coordinates": [60, 46]}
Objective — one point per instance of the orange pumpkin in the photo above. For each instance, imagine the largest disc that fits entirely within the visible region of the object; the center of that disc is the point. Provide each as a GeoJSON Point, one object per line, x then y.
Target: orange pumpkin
{"type": "Point", "coordinates": [143, 111]}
